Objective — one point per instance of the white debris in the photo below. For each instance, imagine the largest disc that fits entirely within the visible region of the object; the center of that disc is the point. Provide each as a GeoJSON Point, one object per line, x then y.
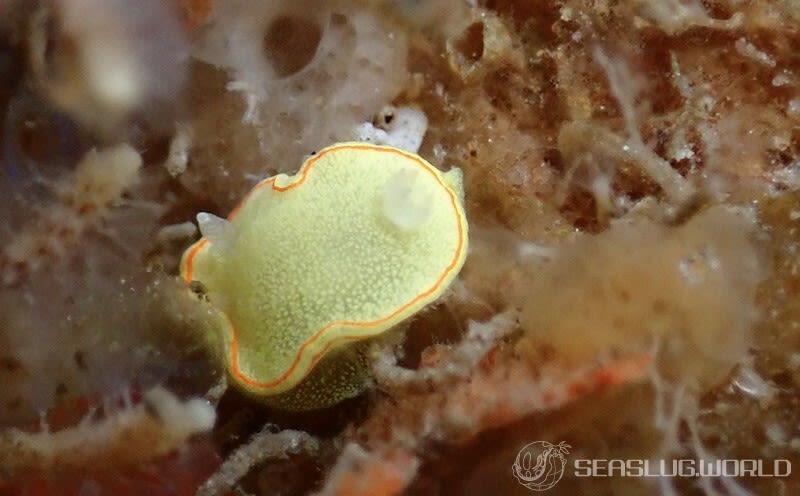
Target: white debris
{"type": "Point", "coordinates": [402, 127]}
{"type": "Point", "coordinates": [179, 148]}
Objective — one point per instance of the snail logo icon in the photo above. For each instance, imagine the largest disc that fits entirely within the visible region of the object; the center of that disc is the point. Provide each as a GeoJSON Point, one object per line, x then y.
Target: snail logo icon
{"type": "Point", "coordinates": [540, 465]}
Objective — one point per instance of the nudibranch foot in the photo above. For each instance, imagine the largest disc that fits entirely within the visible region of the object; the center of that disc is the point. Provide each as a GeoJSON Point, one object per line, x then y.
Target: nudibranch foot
{"type": "Point", "coordinates": [340, 375]}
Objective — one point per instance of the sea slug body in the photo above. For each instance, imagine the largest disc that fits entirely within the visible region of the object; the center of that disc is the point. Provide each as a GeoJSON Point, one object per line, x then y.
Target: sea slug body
{"type": "Point", "coordinates": [308, 267]}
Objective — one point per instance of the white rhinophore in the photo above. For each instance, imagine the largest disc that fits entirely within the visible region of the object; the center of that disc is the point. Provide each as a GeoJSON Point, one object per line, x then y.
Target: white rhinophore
{"type": "Point", "coordinates": [217, 230]}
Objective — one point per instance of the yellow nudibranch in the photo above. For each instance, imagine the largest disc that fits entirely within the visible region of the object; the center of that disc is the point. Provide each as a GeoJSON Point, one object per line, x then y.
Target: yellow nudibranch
{"type": "Point", "coordinates": [310, 267]}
